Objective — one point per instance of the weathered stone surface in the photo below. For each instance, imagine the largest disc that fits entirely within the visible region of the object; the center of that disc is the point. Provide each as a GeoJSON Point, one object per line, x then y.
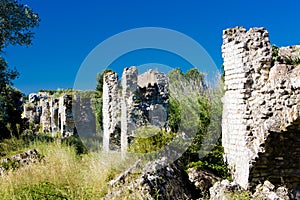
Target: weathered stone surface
{"type": "Point", "coordinates": [268, 191]}
{"type": "Point", "coordinates": [19, 160]}
{"type": "Point", "coordinates": [129, 90]}
{"type": "Point", "coordinates": [202, 179]}
{"type": "Point", "coordinates": [261, 123]}
{"type": "Point", "coordinates": [52, 114]}
{"type": "Point", "coordinates": [33, 97]}
{"type": "Point", "coordinates": [223, 190]}
{"type": "Point", "coordinates": [111, 112]}
{"type": "Point", "coordinates": [67, 124]}
{"type": "Point", "coordinates": [168, 182]}
{"type": "Point", "coordinates": [32, 113]}
{"type": "Point", "coordinates": [154, 182]}
{"type": "Point", "coordinates": [288, 53]}
{"type": "Point", "coordinates": [45, 119]}
{"type": "Point", "coordinates": [143, 100]}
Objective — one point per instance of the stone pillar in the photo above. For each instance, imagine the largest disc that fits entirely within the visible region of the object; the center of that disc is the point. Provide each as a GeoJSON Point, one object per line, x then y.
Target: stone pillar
{"type": "Point", "coordinates": [54, 107]}
{"type": "Point", "coordinates": [129, 89]}
{"type": "Point", "coordinates": [110, 107]}
{"type": "Point", "coordinates": [247, 61]}
{"type": "Point", "coordinates": [66, 116]}
{"type": "Point", "coordinates": [46, 115]}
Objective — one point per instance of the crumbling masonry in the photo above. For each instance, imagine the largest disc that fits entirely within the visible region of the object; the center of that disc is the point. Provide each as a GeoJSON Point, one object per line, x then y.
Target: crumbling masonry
{"type": "Point", "coordinates": [51, 114]}
{"type": "Point", "coordinates": [141, 100]}
{"type": "Point", "coordinates": [261, 113]}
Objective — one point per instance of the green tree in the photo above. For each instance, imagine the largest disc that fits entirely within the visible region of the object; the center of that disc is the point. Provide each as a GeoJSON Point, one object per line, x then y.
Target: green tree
{"type": "Point", "coordinates": [186, 90]}
{"type": "Point", "coordinates": [16, 24]}
{"type": "Point", "coordinates": [174, 117]}
{"type": "Point", "coordinates": [203, 106]}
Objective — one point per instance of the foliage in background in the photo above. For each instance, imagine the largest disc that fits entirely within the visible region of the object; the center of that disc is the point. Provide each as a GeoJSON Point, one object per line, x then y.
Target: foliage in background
{"type": "Point", "coordinates": [210, 157]}
{"type": "Point", "coordinates": [58, 92]}
{"type": "Point", "coordinates": [184, 91]}
{"type": "Point", "coordinates": [11, 122]}
{"type": "Point", "coordinates": [17, 21]}
{"type": "Point", "coordinates": [9, 147]}
{"type": "Point", "coordinates": [195, 111]}
{"type": "Point", "coordinates": [189, 107]}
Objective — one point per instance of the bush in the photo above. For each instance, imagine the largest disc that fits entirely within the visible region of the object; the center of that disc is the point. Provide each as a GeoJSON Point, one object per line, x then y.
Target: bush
{"type": "Point", "coordinates": [150, 139]}
{"type": "Point", "coordinates": [204, 106]}
{"type": "Point", "coordinates": [75, 142]}
{"type": "Point", "coordinates": [275, 51]}
{"type": "Point", "coordinates": [9, 147]}
{"type": "Point", "coordinates": [174, 114]}
{"type": "Point", "coordinates": [214, 163]}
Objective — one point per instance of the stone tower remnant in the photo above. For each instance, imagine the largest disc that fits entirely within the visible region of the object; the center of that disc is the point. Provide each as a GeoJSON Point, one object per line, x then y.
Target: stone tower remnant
{"type": "Point", "coordinates": [143, 100]}
{"type": "Point", "coordinates": [110, 111]}
{"type": "Point", "coordinates": [128, 98]}
{"type": "Point", "coordinates": [261, 111]}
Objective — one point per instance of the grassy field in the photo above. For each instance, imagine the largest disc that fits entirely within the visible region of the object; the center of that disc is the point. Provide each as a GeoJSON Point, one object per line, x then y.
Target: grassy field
{"type": "Point", "coordinates": [62, 174]}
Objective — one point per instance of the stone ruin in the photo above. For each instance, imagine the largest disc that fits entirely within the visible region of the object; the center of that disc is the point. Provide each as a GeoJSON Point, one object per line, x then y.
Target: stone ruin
{"type": "Point", "coordinates": [138, 101]}
{"type": "Point", "coordinates": [19, 160]}
{"type": "Point", "coordinates": [261, 111]}
{"type": "Point", "coordinates": [141, 100]}
{"type": "Point", "coordinates": [51, 114]}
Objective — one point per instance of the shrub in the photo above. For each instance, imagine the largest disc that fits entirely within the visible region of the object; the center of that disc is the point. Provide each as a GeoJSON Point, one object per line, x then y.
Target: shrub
{"type": "Point", "coordinates": [75, 142]}
{"type": "Point", "coordinates": [214, 163]}
{"type": "Point", "coordinates": [292, 61]}
{"type": "Point", "coordinates": [9, 147]}
{"type": "Point", "coordinates": [150, 139]}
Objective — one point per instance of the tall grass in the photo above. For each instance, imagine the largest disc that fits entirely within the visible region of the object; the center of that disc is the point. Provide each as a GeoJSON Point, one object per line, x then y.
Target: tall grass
{"type": "Point", "coordinates": [61, 175]}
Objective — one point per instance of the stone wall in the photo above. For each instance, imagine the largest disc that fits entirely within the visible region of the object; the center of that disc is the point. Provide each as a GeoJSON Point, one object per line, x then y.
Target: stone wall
{"type": "Point", "coordinates": [67, 123]}
{"type": "Point", "coordinates": [51, 114]}
{"type": "Point", "coordinates": [260, 126]}
{"type": "Point", "coordinates": [143, 100]}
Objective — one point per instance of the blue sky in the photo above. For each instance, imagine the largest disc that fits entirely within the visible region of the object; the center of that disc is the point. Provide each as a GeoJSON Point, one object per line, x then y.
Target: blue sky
{"type": "Point", "coordinates": [70, 30]}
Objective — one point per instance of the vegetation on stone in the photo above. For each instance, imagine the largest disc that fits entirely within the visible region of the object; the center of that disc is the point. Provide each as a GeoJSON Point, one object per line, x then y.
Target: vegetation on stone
{"type": "Point", "coordinates": [261, 109]}
{"type": "Point", "coordinates": [260, 127]}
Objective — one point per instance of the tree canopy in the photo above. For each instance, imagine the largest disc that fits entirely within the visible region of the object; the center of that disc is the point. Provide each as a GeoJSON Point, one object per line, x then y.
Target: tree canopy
{"type": "Point", "coordinates": [16, 24]}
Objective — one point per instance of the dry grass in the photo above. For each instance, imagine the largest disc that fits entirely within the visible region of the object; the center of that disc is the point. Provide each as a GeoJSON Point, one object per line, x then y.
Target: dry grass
{"type": "Point", "coordinates": [62, 175]}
